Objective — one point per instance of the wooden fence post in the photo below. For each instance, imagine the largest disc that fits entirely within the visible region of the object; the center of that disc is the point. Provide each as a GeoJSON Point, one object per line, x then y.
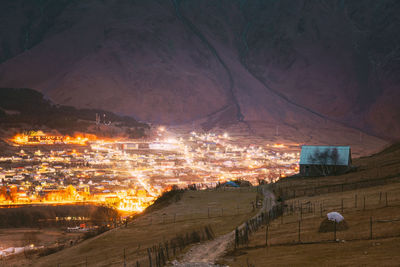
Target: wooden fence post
{"type": "Point", "coordinates": [364, 203]}
{"type": "Point", "coordinates": [301, 211]}
{"type": "Point", "coordinates": [355, 200]}
{"type": "Point", "coordinates": [299, 232]}
{"type": "Point", "coordinates": [320, 208]}
{"type": "Point", "coordinates": [149, 254]}
{"type": "Point", "coordinates": [386, 198]}
{"type": "Point", "coordinates": [236, 238]}
{"type": "Point", "coordinates": [334, 230]}
{"type": "Point", "coordinates": [370, 227]}
{"type": "Point", "coordinates": [342, 205]}
{"type": "Point", "coordinates": [124, 258]}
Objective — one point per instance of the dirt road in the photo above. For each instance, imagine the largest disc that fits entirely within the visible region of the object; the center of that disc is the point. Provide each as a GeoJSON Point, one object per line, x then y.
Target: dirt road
{"type": "Point", "coordinates": [207, 253]}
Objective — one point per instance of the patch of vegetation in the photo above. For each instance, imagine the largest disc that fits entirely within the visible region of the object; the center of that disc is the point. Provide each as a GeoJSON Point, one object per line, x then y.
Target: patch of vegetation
{"type": "Point", "coordinates": [96, 232]}
{"type": "Point", "coordinates": [50, 250]}
{"type": "Point", "coordinates": [166, 199]}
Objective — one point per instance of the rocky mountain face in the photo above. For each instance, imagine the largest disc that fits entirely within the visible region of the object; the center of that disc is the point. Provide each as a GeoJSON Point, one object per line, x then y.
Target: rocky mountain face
{"type": "Point", "coordinates": [293, 63]}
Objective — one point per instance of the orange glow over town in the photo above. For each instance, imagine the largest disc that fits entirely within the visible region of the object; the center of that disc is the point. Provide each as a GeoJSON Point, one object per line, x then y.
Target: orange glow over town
{"type": "Point", "coordinates": [129, 175]}
{"type": "Point", "coordinates": [278, 145]}
{"type": "Point", "coordinates": [35, 138]}
{"type": "Point", "coordinates": [131, 201]}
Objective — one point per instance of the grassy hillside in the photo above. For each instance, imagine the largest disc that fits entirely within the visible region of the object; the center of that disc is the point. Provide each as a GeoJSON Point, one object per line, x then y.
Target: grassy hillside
{"type": "Point", "coordinates": [369, 200]}
{"type": "Point", "coordinates": [221, 210]}
{"type": "Point", "coordinates": [378, 169]}
{"type": "Point", "coordinates": [360, 202]}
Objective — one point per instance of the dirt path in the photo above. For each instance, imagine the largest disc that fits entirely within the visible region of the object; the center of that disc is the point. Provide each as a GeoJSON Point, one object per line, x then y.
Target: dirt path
{"type": "Point", "coordinates": [207, 253]}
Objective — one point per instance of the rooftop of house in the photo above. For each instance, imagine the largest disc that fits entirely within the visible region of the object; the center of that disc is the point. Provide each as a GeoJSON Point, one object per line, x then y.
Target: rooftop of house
{"type": "Point", "coordinates": [326, 155]}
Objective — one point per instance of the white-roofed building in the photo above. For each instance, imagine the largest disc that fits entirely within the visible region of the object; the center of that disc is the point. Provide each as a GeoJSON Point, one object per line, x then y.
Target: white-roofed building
{"type": "Point", "coordinates": [324, 160]}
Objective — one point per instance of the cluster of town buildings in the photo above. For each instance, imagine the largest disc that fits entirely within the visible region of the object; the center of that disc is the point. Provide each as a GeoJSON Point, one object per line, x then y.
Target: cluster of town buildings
{"type": "Point", "coordinates": [130, 175]}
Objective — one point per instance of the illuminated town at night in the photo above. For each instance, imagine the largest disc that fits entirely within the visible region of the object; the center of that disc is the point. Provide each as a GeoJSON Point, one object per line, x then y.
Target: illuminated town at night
{"type": "Point", "coordinates": [199, 133]}
{"type": "Point", "coordinates": [129, 174]}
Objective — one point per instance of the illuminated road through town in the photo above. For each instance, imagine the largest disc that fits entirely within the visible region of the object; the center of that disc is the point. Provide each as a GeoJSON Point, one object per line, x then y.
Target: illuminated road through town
{"type": "Point", "coordinates": [131, 174]}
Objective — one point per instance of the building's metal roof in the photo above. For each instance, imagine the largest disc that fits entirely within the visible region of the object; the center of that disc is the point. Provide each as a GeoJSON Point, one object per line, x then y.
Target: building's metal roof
{"type": "Point", "coordinates": [309, 155]}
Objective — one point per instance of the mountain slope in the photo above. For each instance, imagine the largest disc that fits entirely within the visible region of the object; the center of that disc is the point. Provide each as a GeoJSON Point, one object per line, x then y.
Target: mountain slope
{"type": "Point", "coordinates": [297, 64]}
{"type": "Point", "coordinates": [26, 109]}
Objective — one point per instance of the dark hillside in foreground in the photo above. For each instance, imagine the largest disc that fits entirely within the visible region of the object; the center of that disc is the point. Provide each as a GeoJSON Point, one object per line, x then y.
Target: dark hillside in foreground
{"type": "Point", "coordinates": [29, 107]}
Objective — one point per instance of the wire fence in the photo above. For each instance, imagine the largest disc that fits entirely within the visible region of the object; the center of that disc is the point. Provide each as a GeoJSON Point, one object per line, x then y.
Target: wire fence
{"type": "Point", "coordinates": [289, 191]}
{"type": "Point", "coordinates": [288, 222]}
{"type": "Point", "coordinates": [297, 222]}
{"type": "Point", "coordinates": [163, 250]}
{"type": "Point", "coordinates": [369, 229]}
{"type": "Point", "coordinates": [157, 255]}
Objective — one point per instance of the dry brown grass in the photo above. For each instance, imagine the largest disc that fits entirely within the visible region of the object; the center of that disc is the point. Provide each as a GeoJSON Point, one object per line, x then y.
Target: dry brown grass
{"type": "Point", "coordinates": [284, 247]}
{"type": "Point", "coordinates": [153, 228]}
{"type": "Point", "coordinates": [318, 249]}
{"type": "Point", "coordinates": [385, 164]}
{"type": "Point", "coordinates": [19, 237]}
{"type": "Point", "coordinates": [358, 253]}
{"type": "Point", "coordinates": [285, 229]}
